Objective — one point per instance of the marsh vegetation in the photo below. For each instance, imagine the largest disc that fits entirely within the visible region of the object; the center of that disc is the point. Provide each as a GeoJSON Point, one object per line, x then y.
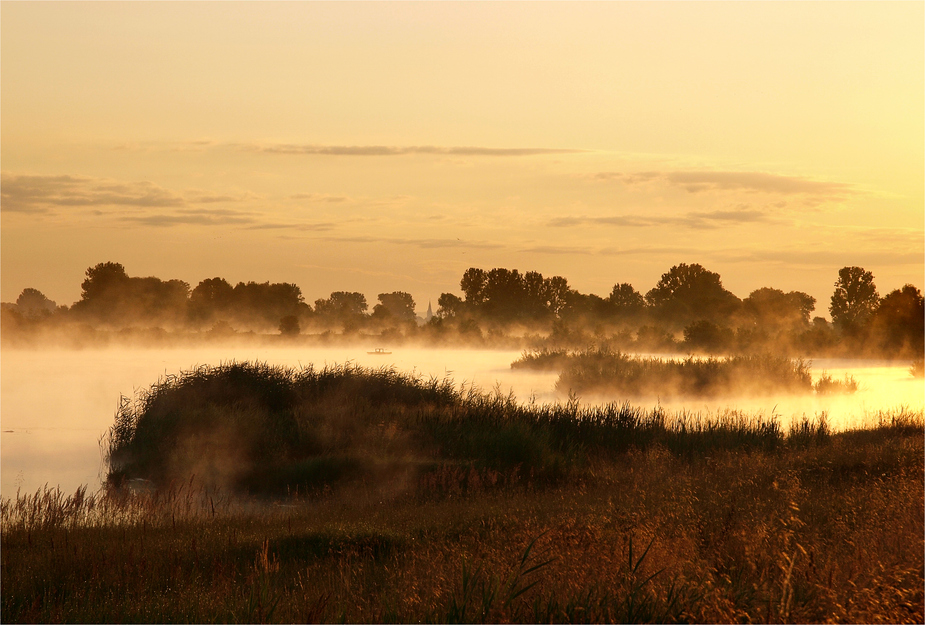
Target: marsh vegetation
{"type": "Point", "coordinates": [371, 496]}
{"type": "Point", "coordinates": [605, 371]}
{"type": "Point", "coordinates": [252, 492]}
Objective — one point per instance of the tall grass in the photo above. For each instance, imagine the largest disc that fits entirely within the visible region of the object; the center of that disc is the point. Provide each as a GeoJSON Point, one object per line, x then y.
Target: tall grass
{"type": "Point", "coordinates": [273, 430]}
{"type": "Point", "coordinates": [823, 527]}
{"type": "Point", "coordinates": [605, 371]}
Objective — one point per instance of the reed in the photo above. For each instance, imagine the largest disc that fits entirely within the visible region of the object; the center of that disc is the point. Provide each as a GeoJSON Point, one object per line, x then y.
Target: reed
{"type": "Point", "coordinates": [825, 528]}
{"type": "Point", "coordinates": [271, 431]}
{"type": "Point", "coordinates": [607, 372]}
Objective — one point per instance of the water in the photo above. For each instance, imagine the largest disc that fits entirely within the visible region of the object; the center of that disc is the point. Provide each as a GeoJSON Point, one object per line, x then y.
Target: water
{"type": "Point", "coordinates": [55, 406]}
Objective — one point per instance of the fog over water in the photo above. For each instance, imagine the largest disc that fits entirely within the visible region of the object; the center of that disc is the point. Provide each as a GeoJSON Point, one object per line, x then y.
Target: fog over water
{"type": "Point", "coordinates": [56, 405]}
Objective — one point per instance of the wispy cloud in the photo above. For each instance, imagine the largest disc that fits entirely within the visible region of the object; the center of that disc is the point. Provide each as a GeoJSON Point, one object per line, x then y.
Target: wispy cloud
{"type": "Point", "coordinates": [342, 150]}
{"type": "Point", "coordinates": [40, 194]}
{"type": "Point", "coordinates": [393, 150]}
{"type": "Point", "coordinates": [199, 217]}
{"type": "Point", "coordinates": [319, 197]}
{"type": "Point", "coordinates": [424, 243]}
{"type": "Point", "coordinates": [693, 219]}
{"type": "Point", "coordinates": [300, 227]}
{"type": "Point", "coordinates": [746, 181]}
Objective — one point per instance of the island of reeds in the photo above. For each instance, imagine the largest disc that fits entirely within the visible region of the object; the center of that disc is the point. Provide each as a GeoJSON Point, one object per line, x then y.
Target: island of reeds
{"type": "Point", "coordinates": [253, 493]}
{"type": "Point", "coordinates": [605, 371]}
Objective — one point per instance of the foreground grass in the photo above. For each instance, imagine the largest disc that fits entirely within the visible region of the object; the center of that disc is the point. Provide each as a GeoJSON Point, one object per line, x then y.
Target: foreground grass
{"type": "Point", "coordinates": [818, 530]}
{"type": "Point", "coordinates": [369, 496]}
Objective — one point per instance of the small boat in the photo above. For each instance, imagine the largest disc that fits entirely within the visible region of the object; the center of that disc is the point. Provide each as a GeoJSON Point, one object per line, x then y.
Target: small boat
{"type": "Point", "coordinates": [379, 352]}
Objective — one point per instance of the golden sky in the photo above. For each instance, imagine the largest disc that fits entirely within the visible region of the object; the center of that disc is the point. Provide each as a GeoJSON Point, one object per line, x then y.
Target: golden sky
{"type": "Point", "coordinates": [388, 146]}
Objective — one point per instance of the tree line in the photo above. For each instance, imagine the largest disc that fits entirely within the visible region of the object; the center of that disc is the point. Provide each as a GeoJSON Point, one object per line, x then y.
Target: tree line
{"type": "Point", "coordinates": [688, 309]}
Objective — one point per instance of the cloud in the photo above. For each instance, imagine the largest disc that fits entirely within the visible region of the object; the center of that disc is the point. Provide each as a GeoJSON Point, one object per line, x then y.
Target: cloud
{"type": "Point", "coordinates": [200, 217]}
{"type": "Point", "coordinates": [824, 258]}
{"type": "Point", "coordinates": [694, 219]}
{"type": "Point", "coordinates": [391, 150]}
{"type": "Point", "coordinates": [319, 197]}
{"type": "Point", "coordinates": [421, 243]}
{"type": "Point", "coordinates": [317, 227]}
{"type": "Point", "coordinates": [556, 249]}
{"type": "Point", "coordinates": [747, 181]}
{"type": "Point", "coordinates": [40, 194]}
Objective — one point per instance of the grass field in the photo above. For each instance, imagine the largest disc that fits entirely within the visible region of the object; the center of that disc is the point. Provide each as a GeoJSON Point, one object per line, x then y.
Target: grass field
{"type": "Point", "coordinates": [444, 506]}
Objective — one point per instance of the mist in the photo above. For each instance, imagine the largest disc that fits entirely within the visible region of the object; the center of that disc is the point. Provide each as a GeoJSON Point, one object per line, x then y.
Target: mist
{"type": "Point", "coordinates": [58, 404]}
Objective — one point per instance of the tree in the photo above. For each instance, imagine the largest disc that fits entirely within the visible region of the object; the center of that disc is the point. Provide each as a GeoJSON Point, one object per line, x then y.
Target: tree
{"type": "Point", "coordinates": [449, 305]}
{"type": "Point", "coordinates": [707, 336]}
{"type": "Point", "coordinates": [211, 297]}
{"type": "Point", "coordinates": [898, 324]}
{"type": "Point", "coordinates": [688, 293]}
{"type": "Point", "coordinates": [289, 326]}
{"type": "Point", "coordinates": [625, 300]}
{"type": "Point", "coordinates": [103, 280]}
{"type": "Point", "coordinates": [855, 299]}
{"type": "Point", "coordinates": [32, 303]}
{"type": "Point", "coordinates": [473, 285]}
{"type": "Point", "coordinates": [398, 306]}
{"type": "Point", "coordinates": [346, 308]}
{"type": "Point", "coordinates": [772, 308]}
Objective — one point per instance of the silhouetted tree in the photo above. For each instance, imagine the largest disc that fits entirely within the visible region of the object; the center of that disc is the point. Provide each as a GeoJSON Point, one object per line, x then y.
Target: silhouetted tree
{"type": "Point", "coordinates": [345, 308]}
{"type": "Point", "coordinates": [473, 286]}
{"type": "Point", "coordinates": [855, 299]}
{"type": "Point", "coordinates": [448, 305]}
{"type": "Point", "coordinates": [706, 336]}
{"type": "Point", "coordinates": [109, 295]}
{"type": "Point", "coordinates": [772, 308]}
{"type": "Point", "coordinates": [397, 306]}
{"type": "Point", "coordinates": [32, 303]}
{"type": "Point", "coordinates": [688, 293]}
{"type": "Point", "coordinates": [211, 298]}
{"type": "Point", "coordinates": [289, 326]}
{"type": "Point", "coordinates": [626, 301]}
{"type": "Point", "coordinates": [898, 324]}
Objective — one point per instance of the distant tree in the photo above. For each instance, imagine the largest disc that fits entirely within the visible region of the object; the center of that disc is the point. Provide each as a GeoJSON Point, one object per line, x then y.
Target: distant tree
{"type": "Point", "coordinates": [473, 286]}
{"type": "Point", "coordinates": [32, 303]}
{"type": "Point", "coordinates": [103, 281]}
{"type": "Point", "coordinates": [109, 295]}
{"type": "Point", "coordinates": [557, 292]}
{"type": "Point", "coordinates": [626, 301]}
{"type": "Point", "coordinates": [688, 293]}
{"type": "Point", "coordinates": [585, 308]}
{"type": "Point", "coordinates": [268, 301]}
{"type": "Point", "coordinates": [449, 305]}
{"type": "Point", "coordinates": [504, 295]}
{"type": "Point", "coordinates": [706, 336]}
{"type": "Point", "coordinates": [289, 326]}
{"type": "Point", "coordinates": [772, 308]}
{"type": "Point", "coordinates": [898, 324]}
{"type": "Point", "coordinates": [345, 308]}
{"type": "Point", "coordinates": [855, 299]}
{"type": "Point", "coordinates": [211, 298]}
{"type": "Point", "coordinates": [397, 306]}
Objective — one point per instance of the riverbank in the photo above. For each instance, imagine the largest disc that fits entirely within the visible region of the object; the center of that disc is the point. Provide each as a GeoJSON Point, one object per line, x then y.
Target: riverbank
{"type": "Point", "coordinates": [827, 527]}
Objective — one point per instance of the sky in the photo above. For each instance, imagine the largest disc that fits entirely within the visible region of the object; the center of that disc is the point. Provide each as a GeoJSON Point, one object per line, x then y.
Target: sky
{"type": "Point", "coordinates": [377, 147]}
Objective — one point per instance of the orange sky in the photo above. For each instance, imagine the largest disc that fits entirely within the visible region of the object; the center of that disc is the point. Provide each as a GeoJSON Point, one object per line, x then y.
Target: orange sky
{"type": "Point", "coordinates": [389, 146]}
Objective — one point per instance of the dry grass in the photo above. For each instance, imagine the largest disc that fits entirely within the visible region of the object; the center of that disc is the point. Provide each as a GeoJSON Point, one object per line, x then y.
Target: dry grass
{"type": "Point", "coordinates": [821, 529]}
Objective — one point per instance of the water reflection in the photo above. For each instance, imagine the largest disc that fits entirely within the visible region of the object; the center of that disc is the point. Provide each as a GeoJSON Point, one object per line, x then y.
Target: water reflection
{"type": "Point", "coordinates": [56, 405]}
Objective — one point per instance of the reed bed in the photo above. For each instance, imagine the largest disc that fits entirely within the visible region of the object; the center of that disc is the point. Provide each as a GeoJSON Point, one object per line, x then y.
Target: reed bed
{"type": "Point", "coordinates": [603, 371]}
{"type": "Point", "coordinates": [467, 507]}
{"type": "Point", "coordinates": [816, 531]}
{"type": "Point", "coordinates": [250, 427]}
